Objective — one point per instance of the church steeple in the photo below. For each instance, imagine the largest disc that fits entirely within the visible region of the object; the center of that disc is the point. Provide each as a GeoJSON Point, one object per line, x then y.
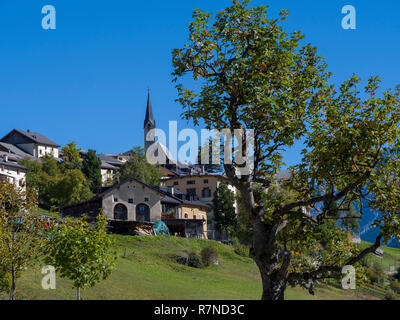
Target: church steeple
{"type": "Point", "coordinates": [149, 122]}
{"type": "Point", "coordinates": [149, 119]}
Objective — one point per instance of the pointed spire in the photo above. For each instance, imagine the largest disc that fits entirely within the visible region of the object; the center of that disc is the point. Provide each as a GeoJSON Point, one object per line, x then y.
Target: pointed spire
{"type": "Point", "coordinates": [149, 112]}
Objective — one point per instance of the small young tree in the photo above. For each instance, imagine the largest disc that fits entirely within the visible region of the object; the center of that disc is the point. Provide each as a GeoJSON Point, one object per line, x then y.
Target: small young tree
{"type": "Point", "coordinates": [20, 234]}
{"type": "Point", "coordinates": [223, 208]}
{"type": "Point", "coordinates": [91, 167]}
{"type": "Point", "coordinates": [81, 252]}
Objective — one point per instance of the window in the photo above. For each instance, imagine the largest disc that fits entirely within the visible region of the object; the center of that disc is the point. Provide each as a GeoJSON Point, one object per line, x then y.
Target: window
{"type": "Point", "coordinates": [146, 199]}
{"type": "Point", "coordinates": [191, 192]}
{"type": "Point", "coordinates": [186, 215]}
{"type": "Point", "coordinates": [130, 200]}
{"type": "Point", "coordinates": [176, 183]}
{"type": "Point", "coordinates": [206, 193]}
{"type": "Point", "coordinates": [194, 217]}
{"type": "Point", "coordinates": [115, 199]}
{"type": "Point", "coordinates": [191, 182]}
{"type": "Point", "coordinates": [205, 180]}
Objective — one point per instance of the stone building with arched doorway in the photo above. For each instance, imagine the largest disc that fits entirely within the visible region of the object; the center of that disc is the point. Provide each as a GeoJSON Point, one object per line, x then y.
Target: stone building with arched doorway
{"type": "Point", "coordinates": [135, 201]}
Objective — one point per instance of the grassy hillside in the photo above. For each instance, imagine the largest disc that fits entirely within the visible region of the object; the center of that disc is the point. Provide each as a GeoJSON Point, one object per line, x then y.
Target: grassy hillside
{"type": "Point", "coordinates": [147, 269]}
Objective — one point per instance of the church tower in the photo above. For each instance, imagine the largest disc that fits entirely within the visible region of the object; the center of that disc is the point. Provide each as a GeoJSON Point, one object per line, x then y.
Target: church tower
{"type": "Point", "coordinates": [149, 123]}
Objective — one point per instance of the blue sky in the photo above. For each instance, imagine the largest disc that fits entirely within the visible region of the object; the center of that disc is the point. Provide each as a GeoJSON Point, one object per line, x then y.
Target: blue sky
{"type": "Point", "coordinates": [87, 80]}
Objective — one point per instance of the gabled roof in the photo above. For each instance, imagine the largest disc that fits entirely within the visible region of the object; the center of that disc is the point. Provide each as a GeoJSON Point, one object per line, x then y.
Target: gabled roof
{"type": "Point", "coordinates": [12, 165]}
{"type": "Point", "coordinates": [15, 150]}
{"type": "Point", "coordinates": [105, 165]}
{"type": "Point", "coordinates": [110, 160]}
{"type": "Point", "coordinates": [34, 137]}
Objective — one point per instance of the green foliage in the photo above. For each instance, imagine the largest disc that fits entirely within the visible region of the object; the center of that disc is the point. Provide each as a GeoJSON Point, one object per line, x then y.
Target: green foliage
{"type": "Point", "coordinates": [390, 295]}
{"type": "Point", "coordinates": [211, 148]}
{"type": "Point", "coordinates": [223, 208]}
{"type": "Point", "coordinates": [376, 273]}
{"type": "Point", "coordinates": [209, 255]}
{"type": "Point", "coordinates": [138, 167]}
{"type": "Point", "coordinates": [56, 185]}
{"type": "Point", "coordinates": [71, 157]}
{"type": "Point", "coordinates": [395, 286]}
{"type": "Point", "coordinates": [240, 249]}
{"type": "Point", "coordinates": [5, 279]}
{"type": "Point", "coordinates": [194, 260]}
{"type": "Point", "coordinates": [351, 221]}
{"type": "Point", "coordinates": [20, 234]}
{"type": "Point", "coordinates": [81, 252]}
{"type": "Point", "coordinates": [91, 167]}
{"type": "Point", "coordinates": [254, 75]}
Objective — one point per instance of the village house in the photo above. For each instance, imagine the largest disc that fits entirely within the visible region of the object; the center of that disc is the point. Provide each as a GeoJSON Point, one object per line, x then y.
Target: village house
{"type": "Point", "coordinates": [31, 143]}
{"type": "Point", "coordinates": [202, 187]}
{"type": "Point", "coordinates": [12, 172]}
{"type": "Point", "coordinates": [135, 201]}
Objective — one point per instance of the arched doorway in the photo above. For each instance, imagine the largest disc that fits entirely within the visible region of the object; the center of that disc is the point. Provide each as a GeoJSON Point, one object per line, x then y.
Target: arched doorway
{"type": "Point", "coordinates": [120, 212]}
{"type": "Point", "coordinates": [142, 213]}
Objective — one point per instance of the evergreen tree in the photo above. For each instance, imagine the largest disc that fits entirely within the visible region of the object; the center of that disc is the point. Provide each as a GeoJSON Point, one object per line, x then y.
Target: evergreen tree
{"type": "Point", "coordinates": [91, 167]}
{"type": "Point", "coordinates": [223, 208]}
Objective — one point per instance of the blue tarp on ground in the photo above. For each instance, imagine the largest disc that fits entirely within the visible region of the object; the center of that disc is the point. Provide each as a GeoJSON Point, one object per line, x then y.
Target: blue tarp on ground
{"type": "Point", "coordinates": [160, 228]}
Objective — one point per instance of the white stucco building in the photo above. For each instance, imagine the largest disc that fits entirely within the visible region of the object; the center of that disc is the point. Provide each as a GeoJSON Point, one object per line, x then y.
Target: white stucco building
{"type": "Point", "coordinates": [12, 172]}
{"type": "Point", "coordinates": [31, 143]}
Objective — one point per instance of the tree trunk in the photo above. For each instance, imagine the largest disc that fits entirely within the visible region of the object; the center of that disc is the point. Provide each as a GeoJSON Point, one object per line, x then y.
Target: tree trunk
{"type": "Point", "coordinates": [268, 257]}
{"type": "Point", "coordinates": [12, 291]}
{"type": "Point", "coordinates": [78, 293]}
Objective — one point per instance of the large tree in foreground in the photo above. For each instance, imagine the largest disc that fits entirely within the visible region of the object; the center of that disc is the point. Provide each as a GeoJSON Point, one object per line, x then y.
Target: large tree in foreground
{"type": "Point", "coordinates": [253, 75]}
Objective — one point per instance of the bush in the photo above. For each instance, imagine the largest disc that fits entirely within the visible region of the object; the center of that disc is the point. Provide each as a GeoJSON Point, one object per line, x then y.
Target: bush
{"type": "Point", "coordinates": [240, 249]}
{"type": "Point", "coordinates": [376, 274]}
{"type": "Point", "coordinates": [209, 255]}
{"type": "Point", "coordinates": [390, 295]}
{"type": "Point", "coordinates": [194, 260]}
{"type": "Point", "coordinates": [395, 286]}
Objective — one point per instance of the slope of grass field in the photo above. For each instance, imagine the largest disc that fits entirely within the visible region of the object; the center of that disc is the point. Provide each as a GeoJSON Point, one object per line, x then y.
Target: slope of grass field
{"type": "Point", "coordinates": [146, 269]}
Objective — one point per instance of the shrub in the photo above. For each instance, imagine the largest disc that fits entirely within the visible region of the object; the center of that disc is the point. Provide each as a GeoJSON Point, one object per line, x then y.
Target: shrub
{"type": "Point", "coordinates": [209, 255]}
{"type": "Point", "coordinates": [390, 295]}
{"type": "Point", "coordinates": [194, 260]}
{"type": "Point", "coordinates": [240, 249]}
{"type": "Point", "coordinates": [376, 273]}
{"type": "Point", "coordinates": [395, 286]}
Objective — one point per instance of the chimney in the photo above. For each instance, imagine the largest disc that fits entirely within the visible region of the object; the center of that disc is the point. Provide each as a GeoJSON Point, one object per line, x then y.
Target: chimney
{"type": "Point", "coordinates": [171, 190]}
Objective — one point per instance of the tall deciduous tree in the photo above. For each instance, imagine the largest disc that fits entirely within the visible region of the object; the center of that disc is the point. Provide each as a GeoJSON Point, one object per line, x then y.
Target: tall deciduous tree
{"type": "Point", "coordinates": [81, 252]}
{"type": "Point", "coordinates": [91, 167]}
{"type": "Point", "coordinates": [71, 157]}
{"type": "Point", "coordinates": [138, 167]}
{"type": "Point", "coordinates": [20, 234]}
{"type": "Point", "coordinates": [256, 76]}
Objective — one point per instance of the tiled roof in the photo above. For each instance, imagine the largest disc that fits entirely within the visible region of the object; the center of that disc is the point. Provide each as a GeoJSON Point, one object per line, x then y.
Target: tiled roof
{"type": "Point", "coordinates": [35, 137]}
